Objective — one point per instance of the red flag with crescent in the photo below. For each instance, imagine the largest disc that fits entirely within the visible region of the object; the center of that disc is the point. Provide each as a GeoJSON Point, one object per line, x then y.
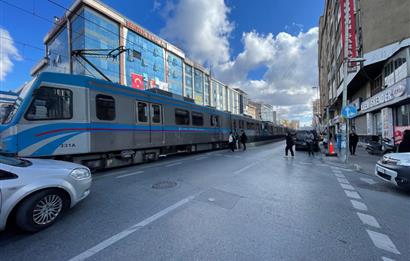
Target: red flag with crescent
{"type": "Point", "coordinates": [137, 81]}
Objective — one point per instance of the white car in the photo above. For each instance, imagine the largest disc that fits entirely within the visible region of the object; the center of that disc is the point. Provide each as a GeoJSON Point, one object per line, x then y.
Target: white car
{"type": "Point", "coordinates": [394, 168]}
{"type": "Point", "coordinates": [36, 192]}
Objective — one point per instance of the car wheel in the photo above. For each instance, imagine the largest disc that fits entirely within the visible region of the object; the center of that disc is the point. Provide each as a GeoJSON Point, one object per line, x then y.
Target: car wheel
{"type": "Point", "coordinates": [41, 209]}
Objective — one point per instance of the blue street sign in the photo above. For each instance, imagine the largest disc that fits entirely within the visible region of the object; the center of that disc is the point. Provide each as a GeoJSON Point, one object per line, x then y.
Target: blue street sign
{"type": "Point", "coordinates": [349, 111]}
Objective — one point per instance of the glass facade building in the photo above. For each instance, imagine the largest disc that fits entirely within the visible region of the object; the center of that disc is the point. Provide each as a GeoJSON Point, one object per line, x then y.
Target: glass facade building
{"type": "Point", "coordinates": [147, 59]}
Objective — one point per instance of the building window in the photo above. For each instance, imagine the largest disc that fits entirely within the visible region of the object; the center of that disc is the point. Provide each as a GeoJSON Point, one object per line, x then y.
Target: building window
{"type": "Point", "coordinates": [197, 119]}
{"type": "Point", "coordinates": [105, 107]}
{"type": "Point", "coordinates": [51, 104]}
{"type": "Point", "coordinates": [198, 89]}
{"type": "Point", "coordinates": [156, 113]}
{"type": "Point", "coordinates": [181, 117]}
{"type": "Point", "coordinates": [377, 85]}
{"type": "Point", "coordinates": [188, 81]}
{"type": "Point", "coordinates": [142, 112]}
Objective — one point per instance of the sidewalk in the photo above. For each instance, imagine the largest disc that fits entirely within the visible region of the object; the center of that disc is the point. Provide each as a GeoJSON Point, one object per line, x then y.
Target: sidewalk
{"type": "Point", "coordinates": [362, 162]}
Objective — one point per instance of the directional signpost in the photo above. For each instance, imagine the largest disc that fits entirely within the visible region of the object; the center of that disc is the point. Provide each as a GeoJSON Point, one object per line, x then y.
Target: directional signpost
{"type": "Point", "coordinates": [349, 111]}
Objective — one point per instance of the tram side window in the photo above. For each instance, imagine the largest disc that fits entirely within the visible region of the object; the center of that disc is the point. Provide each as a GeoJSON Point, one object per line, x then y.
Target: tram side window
{"type": "Point", "coordinates": [197, 119]}
{"type": "Point", "coordinates": [181, 117]}
{"type": "Point", "coordinates": [142, 108]}
{"type": "Point", "coordinates": [105, 107]}
{"type": "Point", "coordinates": [156, 113]}
{"type": "Point", "coordinates": [214, 121]}
{"type": "Point", "coordinates": [51, 104]}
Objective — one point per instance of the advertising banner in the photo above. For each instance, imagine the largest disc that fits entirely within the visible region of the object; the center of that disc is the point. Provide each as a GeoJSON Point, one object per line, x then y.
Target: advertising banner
{"type": "Point", "coordinates": [348, 6]}
{"type": "Point", "coordinates": [398, 133]}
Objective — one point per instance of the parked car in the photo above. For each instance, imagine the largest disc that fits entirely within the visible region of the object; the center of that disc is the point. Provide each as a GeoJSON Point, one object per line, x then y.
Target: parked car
{"type": "Point", "coordinates": [394, 168]}
{"type": "Point", "coordinates": [36, 192]}
{"type": "Point", "coordinates": [300, 142]}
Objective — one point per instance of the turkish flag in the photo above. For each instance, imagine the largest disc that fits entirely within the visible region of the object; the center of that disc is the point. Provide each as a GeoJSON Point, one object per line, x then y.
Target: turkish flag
{"type": "Point", "coordinates": [137, 81]}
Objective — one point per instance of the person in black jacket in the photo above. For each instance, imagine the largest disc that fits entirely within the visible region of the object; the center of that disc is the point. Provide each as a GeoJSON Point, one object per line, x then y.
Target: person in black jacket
{"type": "Point", "coordinates": [289, 144]}
{"type": "Point", "coordinates": [405, 143]}
{"type": "Point", "coordinates": [353, 140]}
{"type": "Point", "coordinates": [244, 139]}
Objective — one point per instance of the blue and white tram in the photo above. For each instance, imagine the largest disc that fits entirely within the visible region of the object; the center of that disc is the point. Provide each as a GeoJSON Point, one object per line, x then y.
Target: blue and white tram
{"type": "Point", "coordinates": [102, 124]}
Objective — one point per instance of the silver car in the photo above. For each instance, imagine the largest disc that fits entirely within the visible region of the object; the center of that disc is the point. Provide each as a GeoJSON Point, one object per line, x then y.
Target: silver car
{"type": "Point", "coordinates": [36, 192]}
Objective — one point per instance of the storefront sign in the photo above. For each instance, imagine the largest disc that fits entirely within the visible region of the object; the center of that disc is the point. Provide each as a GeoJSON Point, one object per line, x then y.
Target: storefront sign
{"type": "Point", "coordinates": [145, 33]}
{"type": "Point", "coordinates": [387, 123]}
{"type": "Point", "coordinates": [398, 133]}
{"type": "Point", "coordinates": [162, 85]}
{"type": "Point", "coordinates": [347, 9]}
{"type": "Point", "coordinates": [384, 96]}
{"type": "Point", "coordinates": [356, 103]}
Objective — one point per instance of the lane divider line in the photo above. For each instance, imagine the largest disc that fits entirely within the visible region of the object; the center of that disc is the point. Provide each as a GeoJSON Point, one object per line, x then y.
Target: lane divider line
{"type": "Point", "coordinates": [244, 168]}
{"type": "Point", "coordinates": [368, 220]}
{"type": "Point", "coordinates": [382, 241]}
{"type": "Point", "coordinates": [352, 194]}
{"type": "Point", "coordinates": [130, 174]}
{"type": "Point", "coordinates": [117, 237]}
{"type": "Point", "coordinates": [387, 259]}
{"type": "Point", "coordinates": [173, 164]}
{"type": "Point", "coordinates": [347, 186]}
{"type": "Point", "coordinates": [358, 205]}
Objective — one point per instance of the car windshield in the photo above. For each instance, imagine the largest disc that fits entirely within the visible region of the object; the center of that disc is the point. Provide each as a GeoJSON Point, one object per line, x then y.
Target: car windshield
{"type": "Point", "coordinates": [12, 161]}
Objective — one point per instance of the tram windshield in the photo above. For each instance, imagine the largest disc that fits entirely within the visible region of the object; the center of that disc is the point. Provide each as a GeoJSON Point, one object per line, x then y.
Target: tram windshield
{"type": "Point", "coordinates": [9, 109]}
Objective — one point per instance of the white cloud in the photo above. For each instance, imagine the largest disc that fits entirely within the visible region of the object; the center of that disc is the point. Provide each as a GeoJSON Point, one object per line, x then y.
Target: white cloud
{"type": "Point", "coordinates": [8, 52]}
{"type": "Point", "coordinates": [202, 29]}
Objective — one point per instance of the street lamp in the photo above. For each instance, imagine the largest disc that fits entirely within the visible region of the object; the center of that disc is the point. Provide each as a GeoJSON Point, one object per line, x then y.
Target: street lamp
{"type": "Point", "coordinates": [317, 105]}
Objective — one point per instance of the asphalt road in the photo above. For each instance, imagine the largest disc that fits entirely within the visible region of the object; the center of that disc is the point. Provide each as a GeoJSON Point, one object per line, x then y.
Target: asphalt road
{"type": "Point", "coordinates": [253, 205]}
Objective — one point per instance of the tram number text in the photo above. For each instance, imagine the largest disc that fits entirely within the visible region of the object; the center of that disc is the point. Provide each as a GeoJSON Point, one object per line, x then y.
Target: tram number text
{"type": "Point", "coordinates": [68, 145]}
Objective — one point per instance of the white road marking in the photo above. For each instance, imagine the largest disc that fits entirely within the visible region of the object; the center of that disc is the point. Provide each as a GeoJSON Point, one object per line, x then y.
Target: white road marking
{"type": "Point", "coordinates": [321, 165]}
{"type": "Point", "coordinates": [343, 180]}
{"type": "Point", "coordinates": [173, 164]}
{"type": "Point", "coordinates": [347, 186]}
{"type": "Point", "coordinates": [387, 259]}
{"type": "Point", "coordinates": [201, 158]}
{"type": "Point", "coordinates": [340, 175]}
{"type": "Point", "coordinates": [306, 163]}
{"type": "Point", "coordinates": [244, 168]}
{"type": "Point", "coordinates": [368, 220]}
{"type": "Point", "coordinates": [337, 168]}
{"type": "Point", "coordinates": [369, 181]}
{"type": "Point", "coordinates": [382, 241]}
{"type": "Point", "coordinates": [352, 194]}
{"type": "Point", "coordinates": [358, 205]}
{"type": "Point", "coordinates": [130, 174]}
{"type": "Point", "coordinates": [112, 240]}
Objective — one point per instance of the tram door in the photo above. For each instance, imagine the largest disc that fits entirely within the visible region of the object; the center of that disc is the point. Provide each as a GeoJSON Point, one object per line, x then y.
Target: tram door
{"type": "Point", "coordinates": [156, 124]}
{"type": "Point", "coordinates": [150, 124]}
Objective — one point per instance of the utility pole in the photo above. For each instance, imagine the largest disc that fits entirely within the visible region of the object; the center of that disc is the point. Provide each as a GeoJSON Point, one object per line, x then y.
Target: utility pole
{"type": "Point", "coordinates": [345, 133]}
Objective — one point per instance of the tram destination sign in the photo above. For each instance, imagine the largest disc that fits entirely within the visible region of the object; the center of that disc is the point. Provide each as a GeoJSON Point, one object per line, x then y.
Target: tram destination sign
{"type": "Point", "coordinates": [384, 96]}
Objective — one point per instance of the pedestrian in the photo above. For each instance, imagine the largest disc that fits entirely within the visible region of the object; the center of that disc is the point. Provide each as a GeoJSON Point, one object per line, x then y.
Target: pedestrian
{"type": "Point", "coordinates": [404, 145]}
{"type": "Point", "coordinates": [237, 144]}
{"type": "Point", "coordinates": [231, 142]}
{"type": "Point", "coordinates": [244, 139]}
{"type": "Point", "coordinates": [289, 145]}
{"type": "Point", "coordinates": [353, 140]}
{"type": "Point", "coordinates": [310, 139]}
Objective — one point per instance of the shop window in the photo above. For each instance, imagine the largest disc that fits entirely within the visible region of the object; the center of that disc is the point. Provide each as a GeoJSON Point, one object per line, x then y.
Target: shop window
{"type": "Point", "coordinates": [105, 107]}
{"type": "Point", "coordinates": [197, 119]}
{"type": "Point", "coordinates": [51, 104]}
{"type": "Point", "coordinates": [181, 117]}
{"type": "Point", "coordinates": [403, 115]}
{"type": "Point", "coordinates": [142, 112]}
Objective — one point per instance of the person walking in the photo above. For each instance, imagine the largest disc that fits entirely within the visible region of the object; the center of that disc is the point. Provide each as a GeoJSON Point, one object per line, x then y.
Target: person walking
{"type": "Point", "coordinates": [244, 139]}
{"type": "Point", "coordinates": [353, 140]}
{"type": "Point", "coordinates": [231, 141]}
{"type": "Point", "coordinates": [289, 144]}
{"type": "Point", "coordinates": [310, 138]}
{"type": "Point", "coordinates": [404, 145]}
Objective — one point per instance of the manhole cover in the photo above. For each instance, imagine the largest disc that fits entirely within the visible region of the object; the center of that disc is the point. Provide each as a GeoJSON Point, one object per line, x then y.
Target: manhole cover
{"type": "Point", "coordinates": [164, 185]}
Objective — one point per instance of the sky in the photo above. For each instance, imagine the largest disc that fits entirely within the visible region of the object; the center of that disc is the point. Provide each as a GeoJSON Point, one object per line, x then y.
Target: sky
{"type": "Point", "coordinates": [268, 48]}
